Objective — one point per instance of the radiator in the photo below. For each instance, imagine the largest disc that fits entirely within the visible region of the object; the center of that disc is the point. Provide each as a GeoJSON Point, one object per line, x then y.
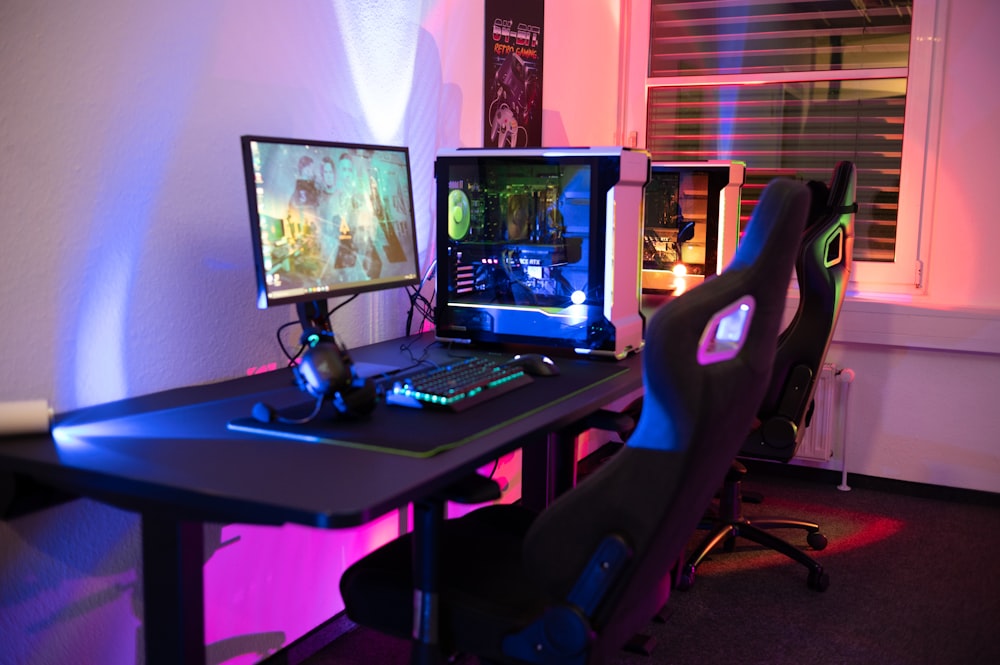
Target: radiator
{"type": "Point", "coordinates": [818, 441]}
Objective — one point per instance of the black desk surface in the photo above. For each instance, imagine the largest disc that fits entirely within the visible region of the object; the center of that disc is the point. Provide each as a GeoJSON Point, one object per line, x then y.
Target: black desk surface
{"type": "Point", "coordinates": [170, 453]}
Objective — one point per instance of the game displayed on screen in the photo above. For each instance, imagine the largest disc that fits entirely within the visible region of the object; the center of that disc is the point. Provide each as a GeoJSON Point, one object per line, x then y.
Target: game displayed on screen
{"type": "Point", "coordinates": [332, 218]}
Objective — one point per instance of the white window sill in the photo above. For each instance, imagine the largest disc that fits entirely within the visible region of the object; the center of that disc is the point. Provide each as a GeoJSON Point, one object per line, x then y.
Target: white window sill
{"type": "Point", "coordinates": [886, 323]}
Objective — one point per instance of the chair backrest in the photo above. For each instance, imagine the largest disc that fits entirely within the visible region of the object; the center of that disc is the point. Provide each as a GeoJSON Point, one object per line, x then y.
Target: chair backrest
{"type": "Point", "coordinates": [822, 269]}
{"type": "Point", "coordinates": [604, 549]}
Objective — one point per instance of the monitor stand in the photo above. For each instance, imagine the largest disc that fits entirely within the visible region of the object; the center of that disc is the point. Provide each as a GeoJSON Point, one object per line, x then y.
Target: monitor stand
{"type": "Point", "coordinates": [314, 315]}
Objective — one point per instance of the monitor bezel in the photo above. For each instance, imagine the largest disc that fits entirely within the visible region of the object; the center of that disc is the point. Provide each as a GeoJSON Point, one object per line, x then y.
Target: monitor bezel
{"type": "Point", "coordinates": [265, 299]}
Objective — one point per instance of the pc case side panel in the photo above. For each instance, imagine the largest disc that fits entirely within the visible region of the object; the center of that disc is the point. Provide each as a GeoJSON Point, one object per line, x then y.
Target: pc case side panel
{"type": "Point", "coordinates": [729, 215]}
{"type": "Point", "coordinates": [623, 259]}
{"type": "Point", "coordinates": [515, 237]}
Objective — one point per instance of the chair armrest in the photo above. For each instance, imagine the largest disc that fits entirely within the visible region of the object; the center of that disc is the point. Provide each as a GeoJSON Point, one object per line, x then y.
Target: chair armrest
{"type": "Point", "coordinates": [564, 631]}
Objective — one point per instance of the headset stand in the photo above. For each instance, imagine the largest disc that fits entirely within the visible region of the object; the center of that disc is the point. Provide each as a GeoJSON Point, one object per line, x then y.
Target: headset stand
{"type": "Point", "coordinates": [314, 315]}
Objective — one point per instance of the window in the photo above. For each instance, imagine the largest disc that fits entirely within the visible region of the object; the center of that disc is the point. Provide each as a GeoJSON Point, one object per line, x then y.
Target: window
{"type": "Point", "coordinates": [791, 88]}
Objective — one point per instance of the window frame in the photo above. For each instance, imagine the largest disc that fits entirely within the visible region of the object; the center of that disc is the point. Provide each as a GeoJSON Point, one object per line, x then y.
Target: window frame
{"type": "Point", "coordinates": [921, 131]}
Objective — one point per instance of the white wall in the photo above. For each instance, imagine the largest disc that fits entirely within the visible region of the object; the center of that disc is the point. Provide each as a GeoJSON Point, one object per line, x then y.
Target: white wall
{"type": "Point", "coordinates": [964, 270]}
{"type": "Point", "coordinates": [127, 261]}
{"type": "Point", "coordinates": [127, 266]}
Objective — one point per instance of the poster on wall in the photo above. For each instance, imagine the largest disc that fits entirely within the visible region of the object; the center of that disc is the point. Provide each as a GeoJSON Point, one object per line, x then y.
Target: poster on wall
{"type": "Point", "coordinates": [512, 85]}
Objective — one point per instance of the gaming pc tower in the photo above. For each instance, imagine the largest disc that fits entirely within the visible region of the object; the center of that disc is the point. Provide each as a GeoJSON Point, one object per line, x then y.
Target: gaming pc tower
{"type": "Point", "coordinates": [540, 248]}
{"type": "Point", "coordinates": [691, 222]}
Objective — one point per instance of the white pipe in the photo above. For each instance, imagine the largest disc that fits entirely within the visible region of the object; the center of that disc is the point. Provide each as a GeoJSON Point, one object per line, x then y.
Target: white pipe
{"type": "Point", "coordinates": [846, 378]}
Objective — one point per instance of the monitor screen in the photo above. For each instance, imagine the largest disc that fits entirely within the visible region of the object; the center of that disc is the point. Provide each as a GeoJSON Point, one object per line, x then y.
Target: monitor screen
{"type": "Point", "coordinates": [328, 219]}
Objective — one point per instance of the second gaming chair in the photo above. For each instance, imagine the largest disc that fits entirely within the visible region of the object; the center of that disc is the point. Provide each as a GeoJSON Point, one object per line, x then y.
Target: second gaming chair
{"type": "Point", "coordinates": [572, 584]}
{"type": "Point", "coordinates": [822, 269]}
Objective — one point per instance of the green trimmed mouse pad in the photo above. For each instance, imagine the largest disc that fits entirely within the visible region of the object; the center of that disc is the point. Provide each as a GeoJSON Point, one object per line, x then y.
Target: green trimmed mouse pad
{"type": "Point", "coordinates": [425, 432]}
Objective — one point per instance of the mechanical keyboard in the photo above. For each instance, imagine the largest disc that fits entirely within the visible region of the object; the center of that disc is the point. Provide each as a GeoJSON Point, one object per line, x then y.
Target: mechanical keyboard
{"type": "Point", "coordinates": [457, 385]}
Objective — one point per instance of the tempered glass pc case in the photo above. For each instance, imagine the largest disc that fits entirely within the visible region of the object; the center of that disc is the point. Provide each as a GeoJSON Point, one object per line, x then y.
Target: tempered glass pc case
{"type": "Point", "coordinates": [540, 248]}
{"type": "Point", "coordinates": [691, 222]}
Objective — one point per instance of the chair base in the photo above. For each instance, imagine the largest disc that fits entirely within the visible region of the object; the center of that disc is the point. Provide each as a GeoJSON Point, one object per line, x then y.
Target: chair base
{"type": "Point", "coordinates": [731, 524]}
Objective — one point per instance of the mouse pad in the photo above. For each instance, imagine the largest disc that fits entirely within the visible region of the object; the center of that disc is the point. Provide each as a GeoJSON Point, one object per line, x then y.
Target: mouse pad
{"type": "Point", "coordinates": [425, 432]}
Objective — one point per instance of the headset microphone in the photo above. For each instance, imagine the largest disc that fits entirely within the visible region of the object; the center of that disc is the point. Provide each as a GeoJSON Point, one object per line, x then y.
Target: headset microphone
{"type": "Point", "coordinates": [263, 412]}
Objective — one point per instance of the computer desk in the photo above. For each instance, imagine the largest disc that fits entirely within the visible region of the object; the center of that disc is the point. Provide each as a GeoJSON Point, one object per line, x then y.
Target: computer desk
{"type": "Point", "coordinates": [170, 458]}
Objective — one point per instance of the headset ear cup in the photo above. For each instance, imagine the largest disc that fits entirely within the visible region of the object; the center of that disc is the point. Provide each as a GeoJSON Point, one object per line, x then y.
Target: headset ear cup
{"type": "Point", "coordinates": [326, 372]}
{"type": "Point", "coordinates": [358, 400]}
{"type": "Point", "coordinates": [323, 370]}
{"type": "Point", "coordinates": [301, 381]}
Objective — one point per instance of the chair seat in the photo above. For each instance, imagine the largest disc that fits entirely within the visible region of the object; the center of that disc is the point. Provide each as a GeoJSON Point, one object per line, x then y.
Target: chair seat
{"type": "Point", "coordinates": [474, 609]}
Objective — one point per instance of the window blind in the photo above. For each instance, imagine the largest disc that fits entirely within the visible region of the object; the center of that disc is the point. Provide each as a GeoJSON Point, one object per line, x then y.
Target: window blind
{"type": "Point", "coordinates": [790, 89]}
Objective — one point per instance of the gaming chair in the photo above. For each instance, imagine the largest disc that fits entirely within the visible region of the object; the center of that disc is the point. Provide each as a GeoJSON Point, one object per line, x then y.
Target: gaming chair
{"type": "Point", "coordinates": [574, 583]}
{"type": "Point", "coordinates": [822, 269]}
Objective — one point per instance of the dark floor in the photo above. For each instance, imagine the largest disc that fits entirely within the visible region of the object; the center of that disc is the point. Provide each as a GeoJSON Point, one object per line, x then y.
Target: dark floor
{"type": "Point", "coordinates": [913, 579]}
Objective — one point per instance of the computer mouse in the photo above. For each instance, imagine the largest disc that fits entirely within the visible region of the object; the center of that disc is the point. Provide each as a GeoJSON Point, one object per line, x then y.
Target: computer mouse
{"type": "Point", "coordinates": [536, 364]}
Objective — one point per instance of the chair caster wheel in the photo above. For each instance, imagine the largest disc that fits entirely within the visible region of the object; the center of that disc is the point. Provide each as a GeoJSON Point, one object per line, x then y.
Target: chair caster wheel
{"type": "Point", "coordinates": [816, 540]}
{"type": "Point", "coordinates": [686, 578]}
{"type": "Point", "coordinates": [818, 580]}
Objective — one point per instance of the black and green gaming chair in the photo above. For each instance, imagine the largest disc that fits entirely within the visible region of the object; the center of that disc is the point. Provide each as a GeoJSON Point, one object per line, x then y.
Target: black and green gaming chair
{"type": "Point", "coordinates": [822, 269]}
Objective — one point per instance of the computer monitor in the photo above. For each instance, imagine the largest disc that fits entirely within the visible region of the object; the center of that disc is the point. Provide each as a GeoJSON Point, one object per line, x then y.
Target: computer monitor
{"type": "Point", "coordinates": [539, 248]}
{"type": "Point", "coordinates": [328, 219]}
{"type": "Point", "coordinates": [691, 222]}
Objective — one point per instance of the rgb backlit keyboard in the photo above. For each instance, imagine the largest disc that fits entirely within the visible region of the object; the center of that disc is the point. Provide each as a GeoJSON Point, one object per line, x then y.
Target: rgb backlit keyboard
{"type": "Point", "coordinates": [457, 385]}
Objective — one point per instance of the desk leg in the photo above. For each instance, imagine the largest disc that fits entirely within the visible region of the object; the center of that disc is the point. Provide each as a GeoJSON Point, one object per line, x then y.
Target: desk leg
{"type": "Point", "coordinates": [428, 517]}
{"type": "Point", "coordinates": [548, 469]}
{"type": "Point", "coordinates": [173, 557]}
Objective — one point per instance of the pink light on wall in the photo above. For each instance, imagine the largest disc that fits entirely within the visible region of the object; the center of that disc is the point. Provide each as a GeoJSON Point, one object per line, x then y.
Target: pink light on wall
{"type": "Point", "coordinates": [265, 586]}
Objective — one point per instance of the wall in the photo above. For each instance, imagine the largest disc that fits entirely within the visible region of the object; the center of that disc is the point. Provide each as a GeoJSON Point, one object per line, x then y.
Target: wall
{"type": "Point", "coordinates": [123, 174]}
{"type": "Point", "coordinates": [127, 267]}
{"type": "Point", "coordinates": [964, 271]}
{"type": "Point", "coordinates": [925, 359]}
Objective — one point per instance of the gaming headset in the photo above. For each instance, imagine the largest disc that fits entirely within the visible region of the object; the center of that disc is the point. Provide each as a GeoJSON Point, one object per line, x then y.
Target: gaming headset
{"type": "Point", "coordinates": [327, 373]}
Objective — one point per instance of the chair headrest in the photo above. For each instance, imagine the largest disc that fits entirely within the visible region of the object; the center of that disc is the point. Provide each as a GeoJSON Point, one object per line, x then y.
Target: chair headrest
{"type": "Point", "coordinates": [837, 198]}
